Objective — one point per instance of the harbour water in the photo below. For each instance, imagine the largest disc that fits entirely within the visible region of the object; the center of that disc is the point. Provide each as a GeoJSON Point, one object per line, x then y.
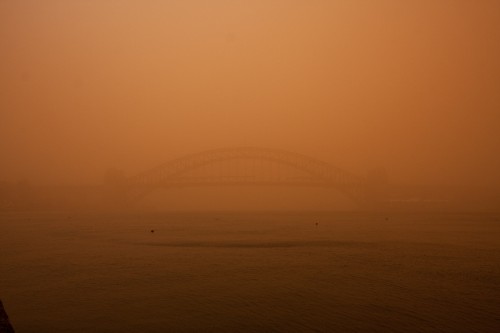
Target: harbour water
{"type": "Point", "coordinates": [250, 272]}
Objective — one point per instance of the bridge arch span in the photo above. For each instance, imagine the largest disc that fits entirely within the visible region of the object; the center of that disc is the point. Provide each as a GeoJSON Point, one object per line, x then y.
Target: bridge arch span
{"type": "Point", "coordinates": [319, 173]}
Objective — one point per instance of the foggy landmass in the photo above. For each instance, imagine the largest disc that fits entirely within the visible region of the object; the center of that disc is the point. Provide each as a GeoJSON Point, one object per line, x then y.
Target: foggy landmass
{"type": "Point", "coordinates": [250, 166]}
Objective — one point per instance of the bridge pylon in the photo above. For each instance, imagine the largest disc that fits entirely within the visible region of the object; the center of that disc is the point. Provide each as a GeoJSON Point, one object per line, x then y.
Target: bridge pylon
{"type": "Point", "coordinates": [376, 189]}
{"type": "Point", "coordinates": [115, 189]}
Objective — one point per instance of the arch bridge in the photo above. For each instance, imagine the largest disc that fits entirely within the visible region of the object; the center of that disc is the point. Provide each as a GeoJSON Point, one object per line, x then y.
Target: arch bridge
{"type": "Point", "coordinates": [247, 166]}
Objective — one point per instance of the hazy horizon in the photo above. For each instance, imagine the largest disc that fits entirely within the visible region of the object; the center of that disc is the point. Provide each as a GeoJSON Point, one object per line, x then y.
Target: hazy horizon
{"type": "Point", "coordinates": [410, 87]}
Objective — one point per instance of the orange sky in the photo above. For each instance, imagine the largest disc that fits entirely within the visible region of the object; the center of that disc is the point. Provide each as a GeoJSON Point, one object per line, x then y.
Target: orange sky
{"type": "Point", "coordinates": [412, 86]}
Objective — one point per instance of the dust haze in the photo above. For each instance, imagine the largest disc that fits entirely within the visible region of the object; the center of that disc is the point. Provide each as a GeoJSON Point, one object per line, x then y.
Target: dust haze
{"type": "Point", "coordinates": [249, 166]}
{"type": "Point", "coordinates": [408, 87]}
